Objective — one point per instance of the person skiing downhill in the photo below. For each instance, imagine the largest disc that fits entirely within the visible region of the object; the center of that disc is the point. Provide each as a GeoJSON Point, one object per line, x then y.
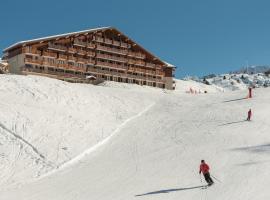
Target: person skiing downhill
{"type": "Point", "coordinates": [250, 92]}
{"type": "Point", "coordinates": [204, 168]}
{"type": "Point", "coordinates": [249, 115]}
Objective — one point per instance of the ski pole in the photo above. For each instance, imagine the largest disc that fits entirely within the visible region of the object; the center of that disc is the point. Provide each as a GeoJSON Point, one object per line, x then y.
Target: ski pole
{"type": "Point", "coordinates": [215, 178]}
{"type": "Point", "coordinates": [200, 177]}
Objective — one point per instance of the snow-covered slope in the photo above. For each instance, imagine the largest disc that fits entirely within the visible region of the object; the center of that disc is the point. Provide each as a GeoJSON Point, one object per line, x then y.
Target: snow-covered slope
{"type": "Point", "coordinates": [45, 122]}
{"type": "Point", "coordinates": [154, 144]}
{"type": "Point", "coordinates": [231, 82]}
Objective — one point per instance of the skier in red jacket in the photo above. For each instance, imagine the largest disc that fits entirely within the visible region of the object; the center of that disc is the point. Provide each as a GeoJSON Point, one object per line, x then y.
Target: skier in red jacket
{"type": "Point", "coordinates": [204, 168]}
{"type": "Point", "coordinates": [249, 115]}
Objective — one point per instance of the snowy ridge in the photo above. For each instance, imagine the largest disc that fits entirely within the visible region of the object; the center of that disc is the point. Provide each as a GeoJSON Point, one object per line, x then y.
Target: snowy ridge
{"type": "Point", "coordinates": [232, 82]}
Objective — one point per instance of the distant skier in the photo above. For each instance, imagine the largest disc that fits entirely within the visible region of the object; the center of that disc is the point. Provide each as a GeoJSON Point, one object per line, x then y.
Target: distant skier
{"type": "Point", "coordinates": [204, 168]}
{"type": "Point", "coordinates": [249, 115]}
{"type": "Point", "coordinates": [250, 92]}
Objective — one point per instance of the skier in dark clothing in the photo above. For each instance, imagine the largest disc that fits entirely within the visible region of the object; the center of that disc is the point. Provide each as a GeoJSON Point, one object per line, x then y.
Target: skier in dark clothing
{"type": "Point", "coordinates": [204, 168]}
{"type": "Point", "coordinates": [250, 92]}
{"type": "Point", "coordinates": [249, 115]}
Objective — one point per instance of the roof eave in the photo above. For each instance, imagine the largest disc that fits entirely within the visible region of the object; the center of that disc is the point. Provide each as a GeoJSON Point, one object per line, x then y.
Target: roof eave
{"type": "Point", "coordinates": [18, 44]}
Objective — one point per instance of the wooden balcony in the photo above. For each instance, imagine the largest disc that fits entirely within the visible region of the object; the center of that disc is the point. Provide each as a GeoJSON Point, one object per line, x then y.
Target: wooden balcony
{"type": "Point", "coordinates": [125, 75]}
{"type": "Point", "coordinates": [136, 55]}
{"type": "Point", "coordinates": [131, 61]}
{"type": "Point", "coordinates": [151, 65]}
{"type": "Point", "coordinates": [62, 56]}
{"type": "Point", "coordinates": [90, 61]}
{"type": "Point", "coordinates": [98, 39]}
{"type": "Point", "coordinates": [139, 63]}
{"type": "Point", "coordinates": [33, 61]}
{"type": "Point", "coordinates": [71, 58]}
{"type": "Point", "coordinates": [123, 44]}
{"type": "Point", "coordinates": [81, 60]}
{"type": "Point", "coordinates": [79, 43]}
{"type": "Point", "coordinates": [116, 43]}
{"type": "Point", "coordinates": [91, 45]}
{"type": "Point", "coordinates": [108, 41]}
{"type": "Point", "coordinates": [90, 53]}
{"type": "Point", "coordinates": [53, 64]}
{"type": "Point", "coordinates": [71, 50]}
{"type": "Point", "coordinates": [113, 65]}
{"type": "Point", "coordinates": [31, 52]}
{"type": "Point", "coordinates": [112, 50]}
{"type": "Point", "coordinates": [81, 52]}
{"type": "Point", "coordinates": [56, 47]}
{"type": "Point", "coordinates": [110, 57]}
{"type": "Point", "coordinates": [49, 54]}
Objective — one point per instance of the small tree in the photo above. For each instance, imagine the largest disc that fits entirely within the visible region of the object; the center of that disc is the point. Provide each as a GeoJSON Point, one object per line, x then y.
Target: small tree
{"type": "Point", "coordinates": [267, 73]}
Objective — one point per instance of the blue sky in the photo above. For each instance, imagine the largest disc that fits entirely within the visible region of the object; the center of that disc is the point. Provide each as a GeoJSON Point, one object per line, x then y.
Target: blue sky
{"type": "Point", "coordinates": [198, 36]}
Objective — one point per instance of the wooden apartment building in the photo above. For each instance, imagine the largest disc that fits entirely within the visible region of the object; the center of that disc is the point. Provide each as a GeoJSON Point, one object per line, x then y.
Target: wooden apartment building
{"type": "Point", "coordinates": [96, 54]}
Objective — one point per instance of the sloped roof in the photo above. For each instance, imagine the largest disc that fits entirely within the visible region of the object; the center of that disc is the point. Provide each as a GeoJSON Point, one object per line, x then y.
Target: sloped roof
{"type": "Point", "coordinates": [21, 43]}
{"type": "Point", "coordinates": [54, 37]}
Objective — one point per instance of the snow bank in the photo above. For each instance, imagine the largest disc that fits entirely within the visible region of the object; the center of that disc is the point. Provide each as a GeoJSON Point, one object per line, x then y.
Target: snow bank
{"type": "Point", "coordinates": [186, 85]}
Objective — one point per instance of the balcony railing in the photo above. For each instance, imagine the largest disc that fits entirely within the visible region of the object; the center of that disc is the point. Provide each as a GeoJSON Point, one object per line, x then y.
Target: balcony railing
{"type": "Point", "coordinates": [81, 52]}
{"type": "Point", "coordinates": [71, 58]}
{"type": "Point", "coordinates": [112, 50]}
{"type": "Point", "coordinates": [56, 73]}
{"type": "Point", "coordinates": [98, 39]}
{"type": "Point", "coordinates": [152, 65]}
{"type": "Point", "coordinates": [82, 60]}
{"type": "Point", "coordinates": [34, 51]}
{"type": "Point", "coordinates": [123, 44]}
{"type": "Point", "coordinates": [71, 50]}
{"type": "Point", "coordinates": [139, 63]}
{"type": "Point", "coordinates": [110, 57]}
{"type": "Point", "coordinates": [108, 41]}
{"type": "Point", "coordinates": [116, 43]}
{"type": "Point", "coordinates": [62, 56]}
{"type": "Point", "coordinates": [33, 61]}
{"type": "Point", "coordinates": [113, 65]}
{"type": "Point", "coordinates": [57, 47]}
{"type": "Point", "coordinates": [124, 75]}
{"type": "Point", "coordinates": [91, 45]}
{"type": "Point", "coordinates": [79, 43]}
{"type": "Point", "coordinates": [136, 55]}
{"type": "Point", "coordinates": [49, 54]}
{"type": "Point", "coordinates": [90, 53]}
{"type": "Point", "coordinates": [90, 61]}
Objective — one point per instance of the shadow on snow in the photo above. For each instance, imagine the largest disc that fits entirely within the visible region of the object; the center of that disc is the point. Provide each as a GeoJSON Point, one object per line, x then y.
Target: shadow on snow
{"type": "Point", "coordinates": [264, 148]}
{"type": "Point", "coordinates": [170, 190]}
{"type": "Point", "coordinates": [232, 123]}
{"type": "Point", "coordinates": [233, 100]}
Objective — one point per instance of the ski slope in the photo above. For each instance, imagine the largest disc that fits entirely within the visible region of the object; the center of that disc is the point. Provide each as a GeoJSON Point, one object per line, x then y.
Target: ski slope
{"type": "Point", "coordinates": [152, 144]}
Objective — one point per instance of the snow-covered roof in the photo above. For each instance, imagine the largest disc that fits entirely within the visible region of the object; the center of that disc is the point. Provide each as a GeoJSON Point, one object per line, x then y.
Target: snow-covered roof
{"type": "Point", "coordinates": [169, 65]}
{"type": "Point", "coordinates": [54, 36]}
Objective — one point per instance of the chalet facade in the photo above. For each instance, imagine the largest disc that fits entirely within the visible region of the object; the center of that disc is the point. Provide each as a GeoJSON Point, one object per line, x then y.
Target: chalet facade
{"type": "Point", "coordinates": [96, 54]}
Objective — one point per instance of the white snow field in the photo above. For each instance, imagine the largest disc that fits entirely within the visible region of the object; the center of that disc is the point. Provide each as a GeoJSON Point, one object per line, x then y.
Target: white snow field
{"type": "Point", "coordinates": [63, 141]}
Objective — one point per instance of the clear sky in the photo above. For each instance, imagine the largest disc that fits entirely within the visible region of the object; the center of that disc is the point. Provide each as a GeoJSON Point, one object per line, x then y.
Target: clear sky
{"type": "Point", "coordinates": [198, 36]}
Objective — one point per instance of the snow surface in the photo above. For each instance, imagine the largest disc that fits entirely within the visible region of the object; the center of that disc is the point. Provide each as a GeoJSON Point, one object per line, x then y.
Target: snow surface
{"type": "Point", "coordinates": [117, 141]}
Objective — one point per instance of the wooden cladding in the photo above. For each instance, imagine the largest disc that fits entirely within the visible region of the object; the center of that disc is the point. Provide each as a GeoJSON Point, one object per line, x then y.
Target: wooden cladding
{"type": "Point", "coordinates": [102, 54]}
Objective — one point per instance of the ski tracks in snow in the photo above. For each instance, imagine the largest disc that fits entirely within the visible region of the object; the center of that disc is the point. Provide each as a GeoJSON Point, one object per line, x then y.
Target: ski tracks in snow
{"type": "Point", "coordinates": [94, 148]}
{"type": "Point", "coordinates": [22, 141]}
